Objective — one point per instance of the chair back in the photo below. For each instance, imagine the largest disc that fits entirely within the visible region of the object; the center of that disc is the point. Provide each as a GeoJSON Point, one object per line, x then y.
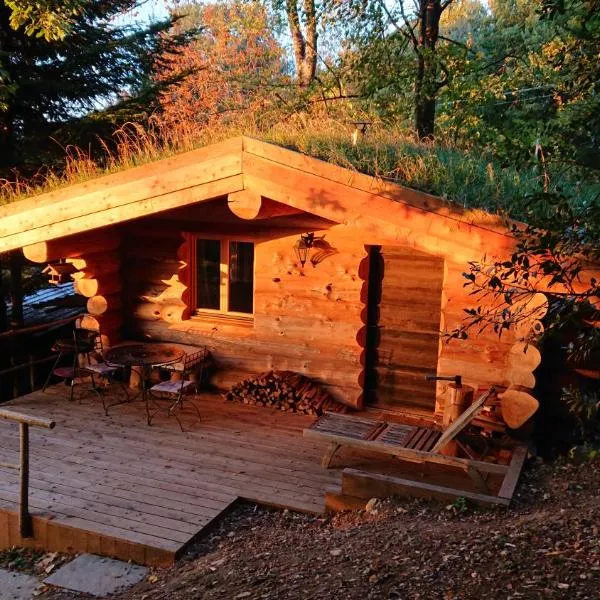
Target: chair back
{"type": "Point", "coordinates": [194, 364]}
{"type": "Point", "coordinates": [85, 340]}
{"type": "Point", "coordinates": [191, 361]}
{"type": "Point", "coordinates": [89, 337]}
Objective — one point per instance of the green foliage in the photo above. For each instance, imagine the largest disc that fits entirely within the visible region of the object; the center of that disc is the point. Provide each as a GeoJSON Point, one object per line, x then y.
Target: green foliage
{"type": "Point", "coordinates": [530, 80]}
{"type": "Point", "coordinates": [584, 407]}
{"type": "Point", "coordinates": [553, 256]}
{"type": "Point", "coordinates": [49, 19]}
{"type": "Point", "coordinates": [461, 505]}
{"type": "Point", "coordinates": [20, 559]}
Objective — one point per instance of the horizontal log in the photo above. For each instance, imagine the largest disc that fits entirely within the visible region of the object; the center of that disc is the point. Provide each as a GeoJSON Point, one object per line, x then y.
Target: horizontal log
{"type": "Point", "coordinates": [73, 246]}
{"type": "Point", "coordinates": [108, 285]}
{"type": "Point", "coordinates": [244, 204]}
{"type": "Point", "coordinates": [98, 305]}
{"type": "Point", "coordinates": [108, 322]}
{"type": "Point", "coordinates": [153, 272]}
{"type": "Point", "coordinates": [33, 420]}
{"type": "Point", "coordinates": [172, 313]}
{"type": "Point", "coordinates": [147, 311]}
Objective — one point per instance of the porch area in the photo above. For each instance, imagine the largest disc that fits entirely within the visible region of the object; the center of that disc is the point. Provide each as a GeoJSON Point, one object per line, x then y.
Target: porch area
{"type": "Point", "coordinates": [112, 485]}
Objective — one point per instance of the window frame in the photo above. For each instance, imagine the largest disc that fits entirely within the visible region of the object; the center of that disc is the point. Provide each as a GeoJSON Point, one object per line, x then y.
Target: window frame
{"type": "Point", "coordinates": [213, 313]}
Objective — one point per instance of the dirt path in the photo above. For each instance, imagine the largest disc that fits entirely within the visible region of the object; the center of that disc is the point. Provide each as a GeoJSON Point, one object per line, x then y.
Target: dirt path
{"type": "Point", "coordinates": [547, 546]}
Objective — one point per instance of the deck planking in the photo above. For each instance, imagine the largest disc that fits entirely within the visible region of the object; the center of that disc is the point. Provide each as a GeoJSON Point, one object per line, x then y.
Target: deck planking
{"type": "Point", "coordinates": [114, 485]}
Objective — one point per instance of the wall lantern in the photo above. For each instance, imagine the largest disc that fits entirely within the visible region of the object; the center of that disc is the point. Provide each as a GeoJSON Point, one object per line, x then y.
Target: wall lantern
{"type": "Point", "coordinates": [303, 247]}
{"type": "Point", "coordinates": [59, 272]}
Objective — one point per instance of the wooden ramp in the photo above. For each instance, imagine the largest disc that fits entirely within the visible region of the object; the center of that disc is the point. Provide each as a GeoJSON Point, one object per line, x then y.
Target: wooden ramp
{"type": "Point", "coordinates": [114, 486]}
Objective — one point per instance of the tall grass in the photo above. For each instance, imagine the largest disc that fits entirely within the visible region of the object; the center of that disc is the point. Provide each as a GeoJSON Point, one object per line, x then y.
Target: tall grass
{"type": "Point", "coordinates": [471, 180]}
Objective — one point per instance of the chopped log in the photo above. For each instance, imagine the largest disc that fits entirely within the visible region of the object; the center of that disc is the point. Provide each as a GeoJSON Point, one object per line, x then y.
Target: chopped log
{"type": "Point", "coordinates": [96, 265]}
{"type": "Point", "coordinates": [108, 322]}
{"type": "Point", "coordinates": [281, 390]}
{"type": "Point", "coordinates": [98, 305]}
{"type": "Point", "coordinates": [524, 356]}
{"type": "Point", "coordinates": [244, 204]}
{"type": "Point", "coordinates": [517, 406]}
{"type": "Point", "coordinates": [73, 246]}
{"type": "Point", "coordinates": [521, 377]}
{"type": "Point", "coordinates": [111, 284]}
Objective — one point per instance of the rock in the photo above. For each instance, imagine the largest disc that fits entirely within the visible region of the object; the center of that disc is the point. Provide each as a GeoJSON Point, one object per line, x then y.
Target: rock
{"type": "Point", "coordinates": [371, 506]}
{"type": "Point", "coordinates": [335, 552]}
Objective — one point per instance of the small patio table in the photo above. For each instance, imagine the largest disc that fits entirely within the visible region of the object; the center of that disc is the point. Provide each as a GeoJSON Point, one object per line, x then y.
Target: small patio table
{"type": "Point", "coordinates": [142, 358]}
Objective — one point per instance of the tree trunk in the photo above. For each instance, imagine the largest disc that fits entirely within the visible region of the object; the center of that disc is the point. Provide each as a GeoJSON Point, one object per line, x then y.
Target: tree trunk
{"type": "Point", "coordinates": [303, 42]}
{"type": "Point", "coordinates": [426, 84]}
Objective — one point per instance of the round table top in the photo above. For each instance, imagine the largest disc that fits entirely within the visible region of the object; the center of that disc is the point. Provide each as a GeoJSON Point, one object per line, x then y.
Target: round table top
{"type": "Point", "coordinates": [144, 355]}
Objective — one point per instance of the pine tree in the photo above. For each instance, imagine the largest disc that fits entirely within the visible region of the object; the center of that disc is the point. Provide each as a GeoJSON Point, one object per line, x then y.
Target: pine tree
{"type": "Point", "coordinates": [49, 87]}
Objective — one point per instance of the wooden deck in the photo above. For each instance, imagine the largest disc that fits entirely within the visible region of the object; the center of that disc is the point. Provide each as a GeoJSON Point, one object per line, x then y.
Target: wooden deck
{"type": "Point", "coordinates": [114, 486]}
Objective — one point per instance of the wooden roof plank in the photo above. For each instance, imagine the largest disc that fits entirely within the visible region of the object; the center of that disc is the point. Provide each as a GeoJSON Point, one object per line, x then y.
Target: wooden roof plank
{"type": "Point", "coordinates": [121, 213]}
{"type": "Point", "coordinates": [132, 175]}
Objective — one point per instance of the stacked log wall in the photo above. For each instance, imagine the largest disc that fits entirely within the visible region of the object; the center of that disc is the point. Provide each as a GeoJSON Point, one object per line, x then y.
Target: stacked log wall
{"type": "Point", "coordinates": [306, 320]}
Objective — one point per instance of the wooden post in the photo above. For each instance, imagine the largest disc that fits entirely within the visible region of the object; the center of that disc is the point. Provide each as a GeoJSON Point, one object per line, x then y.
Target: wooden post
{"type": "Point", "coordinates": [30, 360]}
{"type": "Point", "coordinates": [25, 525]}
{"type": "Point", "coordinates": [460, 398]}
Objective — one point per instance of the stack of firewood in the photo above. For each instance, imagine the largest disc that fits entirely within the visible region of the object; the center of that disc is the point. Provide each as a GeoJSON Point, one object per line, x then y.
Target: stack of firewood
{"type": "Point", "coordinates": [284, 390]}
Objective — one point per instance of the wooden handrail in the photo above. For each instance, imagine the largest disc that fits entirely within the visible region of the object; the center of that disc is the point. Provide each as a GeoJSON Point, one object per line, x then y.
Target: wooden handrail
{"type": "Point", "coordinates": [26, 330]}
{"type": "Point", "coordinates": [34, 421]}
{"type": "Point", "coordinates": [24, 421]}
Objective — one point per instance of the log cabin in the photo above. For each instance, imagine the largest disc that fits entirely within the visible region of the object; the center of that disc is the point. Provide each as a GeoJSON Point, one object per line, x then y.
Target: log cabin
{"type": "Point", "coordinates": [277, 260]}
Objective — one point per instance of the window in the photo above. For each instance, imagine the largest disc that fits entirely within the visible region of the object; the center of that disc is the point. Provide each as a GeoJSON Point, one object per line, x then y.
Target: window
{"type": "Point", "coordinates": [224, 271]}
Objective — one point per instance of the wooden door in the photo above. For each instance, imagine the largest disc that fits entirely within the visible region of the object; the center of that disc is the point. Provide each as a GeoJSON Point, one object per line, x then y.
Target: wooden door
{"type": "Point", "coordinates": [407, 287]}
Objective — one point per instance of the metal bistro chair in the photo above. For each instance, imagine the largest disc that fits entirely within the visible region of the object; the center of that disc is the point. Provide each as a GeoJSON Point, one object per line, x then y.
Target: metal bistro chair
{"type": "Point", "coordinates": [97, 366]}
{"type": "Point", "coordinates": [80, 343]}
{"type": "Point", "coordinates": [175, 390]}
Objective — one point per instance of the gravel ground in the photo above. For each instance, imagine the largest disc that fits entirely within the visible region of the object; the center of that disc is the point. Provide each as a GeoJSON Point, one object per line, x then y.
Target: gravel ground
{"type": "Point", "coordinates": [545, 546]}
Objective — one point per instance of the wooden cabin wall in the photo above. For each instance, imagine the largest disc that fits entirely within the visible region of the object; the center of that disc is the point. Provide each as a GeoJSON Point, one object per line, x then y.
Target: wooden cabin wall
{"type": "Point", "coordinates": [307, 319]}
{"type": "Point", "coordinates": [312, 320]}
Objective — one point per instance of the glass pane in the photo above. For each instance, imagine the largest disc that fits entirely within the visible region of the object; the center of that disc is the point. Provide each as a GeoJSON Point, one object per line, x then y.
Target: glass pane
{"type": "Point", "coordinates": [241, 277]}
{"type": "Point", "coordinates": [208, 274]}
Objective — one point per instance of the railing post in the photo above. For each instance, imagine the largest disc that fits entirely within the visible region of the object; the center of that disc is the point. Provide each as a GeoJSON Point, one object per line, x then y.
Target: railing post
{"type": "Point", "coordinates": [25, 524]}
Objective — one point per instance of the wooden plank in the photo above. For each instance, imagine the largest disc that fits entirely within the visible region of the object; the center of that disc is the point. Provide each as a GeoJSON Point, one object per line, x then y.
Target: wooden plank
{"type": "Point", "coordinates": [131, 176]}
{"type": "Point", "coordinates": [465, 418]}
{"type": "Point", "coordinates": [362, 484]}
{"type": "Point", "coordinates": [507, 489]}
{"type": "Point", "coordinates": [116, 209]}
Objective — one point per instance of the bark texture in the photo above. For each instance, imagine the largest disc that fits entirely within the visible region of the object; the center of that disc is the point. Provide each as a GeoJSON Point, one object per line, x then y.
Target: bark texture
{"type": "Point", "coordinates": [303, 29]}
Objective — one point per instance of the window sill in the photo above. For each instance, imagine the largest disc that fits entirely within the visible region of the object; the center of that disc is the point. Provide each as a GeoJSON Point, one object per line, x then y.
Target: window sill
{"type": "Point", "coordinates": [217, 318]}
{"type": "Point", "coordinates": [211, 326]}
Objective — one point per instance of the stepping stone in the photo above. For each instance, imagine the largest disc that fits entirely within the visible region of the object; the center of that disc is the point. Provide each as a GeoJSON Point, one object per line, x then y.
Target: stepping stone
{"type": "Point", "coordinates": [17, 586]}
{"type": "Point", "coordinates": [96, 575]}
